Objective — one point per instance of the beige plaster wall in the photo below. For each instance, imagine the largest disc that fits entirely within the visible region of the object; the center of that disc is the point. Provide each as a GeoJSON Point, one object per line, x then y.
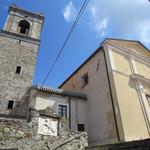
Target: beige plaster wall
{"type": "Point", "coordinates": [44, 100]}
{"type": "Point", "coordinates": [77, 107]}
{"type": "Point", "coordinates": [143, 69]}
{"type": "Point", "coordinates": [129, 104]}
{"type": "Point", "coordinates": [132, 116]}
{"type": "Point", "coordinates": [120, 63]}
{"type": "Point", "coordinates": [78, 113]}
{"type": "Point", "coordinates": [101, 125]}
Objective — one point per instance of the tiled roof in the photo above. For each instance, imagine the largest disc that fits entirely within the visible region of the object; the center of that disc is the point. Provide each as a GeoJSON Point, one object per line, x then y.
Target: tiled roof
{"type": "Point", "coordinates": [60, 92]}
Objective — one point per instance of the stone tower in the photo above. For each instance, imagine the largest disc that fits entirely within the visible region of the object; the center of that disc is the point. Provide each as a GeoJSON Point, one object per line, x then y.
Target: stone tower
{"type": "Point", "coordinates": [19, 44]}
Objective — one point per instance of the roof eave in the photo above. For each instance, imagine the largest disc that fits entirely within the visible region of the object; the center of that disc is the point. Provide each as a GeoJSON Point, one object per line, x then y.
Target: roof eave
{"type": "Point", "coordinates": [60, 92]}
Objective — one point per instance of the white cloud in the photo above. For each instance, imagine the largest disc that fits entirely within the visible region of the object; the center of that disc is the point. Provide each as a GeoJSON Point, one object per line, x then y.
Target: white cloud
{"type": "Point", "coordinates": [144, 32]}
{"type": "Point", "coordinates": [101, 26]}
{"type": "Point", "coordinates": [69, 12]}
{"type": "Point", "coordinates": [121, 19]}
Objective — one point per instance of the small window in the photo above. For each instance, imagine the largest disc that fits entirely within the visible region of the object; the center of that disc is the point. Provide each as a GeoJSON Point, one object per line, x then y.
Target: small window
{"type": "Point", "coordinates": [10, 104]}
{"type": "Point", "coordinates": [81, 127]}
{"type": "Point", "coordinates": [62, 110]}
{"type": "Point", "coordinates": [24, 27]}
{"type": "Point", "coordinates": [85, 79]}
{"type": "Point", "coordinates": [18, 69]}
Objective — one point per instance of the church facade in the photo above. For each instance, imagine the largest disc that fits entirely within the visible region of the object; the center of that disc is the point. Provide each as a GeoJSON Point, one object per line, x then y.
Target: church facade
{"type": "Point", "coordinates": [116, 80]}
{"type": "Point", "coordinates": [108, 96]}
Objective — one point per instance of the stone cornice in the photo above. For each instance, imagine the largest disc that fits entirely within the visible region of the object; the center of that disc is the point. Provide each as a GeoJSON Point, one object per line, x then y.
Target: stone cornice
{"type": "Point", "coordinates": [15, 8]}
{"type": "Point", "coordinates": [127, 52]}
{"type": "Point", "coordinates": [140, 78]}
{"type": "Point", "coordinates": [19, 37]}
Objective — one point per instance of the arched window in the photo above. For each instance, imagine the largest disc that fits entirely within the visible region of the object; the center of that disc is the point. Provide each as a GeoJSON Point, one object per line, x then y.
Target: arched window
{"type": "Point", "coordinates": [24, 27]}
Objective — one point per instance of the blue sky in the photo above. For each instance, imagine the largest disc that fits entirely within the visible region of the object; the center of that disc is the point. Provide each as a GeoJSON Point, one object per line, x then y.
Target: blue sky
{"type": "Point", "coordinates": [128, 19]}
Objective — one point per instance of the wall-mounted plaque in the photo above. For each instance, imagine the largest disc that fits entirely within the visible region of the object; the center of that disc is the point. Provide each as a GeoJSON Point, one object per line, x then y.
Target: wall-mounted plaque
{"type": "Point", "coordinates": [48, 126]}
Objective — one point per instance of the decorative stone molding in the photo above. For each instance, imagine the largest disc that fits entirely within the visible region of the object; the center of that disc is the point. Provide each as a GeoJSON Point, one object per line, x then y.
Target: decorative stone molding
{"type": "Point", "coordinates": [140, 78]}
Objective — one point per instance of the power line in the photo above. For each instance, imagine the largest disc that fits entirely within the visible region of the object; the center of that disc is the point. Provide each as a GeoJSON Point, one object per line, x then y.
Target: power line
{"type": "Point", "coordinates": [84, 5]}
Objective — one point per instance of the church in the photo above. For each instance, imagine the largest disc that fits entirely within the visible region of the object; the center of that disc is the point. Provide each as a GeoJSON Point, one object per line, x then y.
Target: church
{"type": "Point", "coordinates": [108, 96]}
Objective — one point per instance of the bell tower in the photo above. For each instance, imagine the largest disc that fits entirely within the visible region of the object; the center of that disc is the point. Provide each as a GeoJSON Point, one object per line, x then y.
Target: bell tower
{"type": "Point", "coordinates": [19, 44]}
{"type": "Point", "coordinates": [24, 23]}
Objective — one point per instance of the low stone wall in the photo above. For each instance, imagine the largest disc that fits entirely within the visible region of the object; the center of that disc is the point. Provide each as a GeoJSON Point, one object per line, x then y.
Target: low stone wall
{"type": "Point", "coordinates": [22, 135]}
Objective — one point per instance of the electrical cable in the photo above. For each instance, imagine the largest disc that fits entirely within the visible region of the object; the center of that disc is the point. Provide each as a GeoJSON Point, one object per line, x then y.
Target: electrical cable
{"type": "Point", "coordinates": [82, 9]}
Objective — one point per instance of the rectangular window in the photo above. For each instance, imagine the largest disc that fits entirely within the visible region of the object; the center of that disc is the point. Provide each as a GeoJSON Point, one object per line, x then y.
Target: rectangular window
{"type": "Point", "coordinates": [62, 110]}
{"type": "Point", "coordinates": [18, 69]}
{"type": "Point", "coordinates": [85, 79]}
{"type": "Point", "coordinates": [81, 127]}
{"type": "Point", "coordinates": [10, 104]}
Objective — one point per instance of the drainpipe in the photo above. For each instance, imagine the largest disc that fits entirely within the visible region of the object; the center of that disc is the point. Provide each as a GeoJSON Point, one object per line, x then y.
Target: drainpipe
{"type": "Point", "coordinates": [69, 112]}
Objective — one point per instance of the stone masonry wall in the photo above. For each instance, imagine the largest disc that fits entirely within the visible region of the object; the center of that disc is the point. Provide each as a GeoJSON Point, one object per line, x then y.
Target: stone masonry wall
{"type": "Point", "coordinates": [16, 86]}
{"type": "Point", "coordinates": [22, 135]}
